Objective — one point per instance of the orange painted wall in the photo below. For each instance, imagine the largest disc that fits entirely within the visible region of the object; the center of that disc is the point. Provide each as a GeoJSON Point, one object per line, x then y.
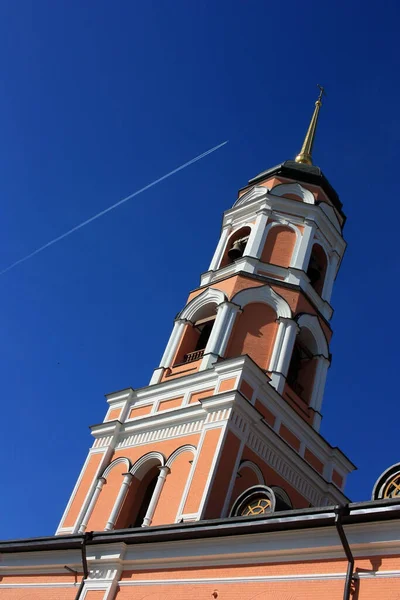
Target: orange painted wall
{"type": "Point", "coordinates": [289, 437]}
{"type": "Point", "coordinates": [285, 590]}
{"type": "Point", "coordinates": [202, 470]}
{"type": "Point", "coordinates": [87, 478]}
{"type": "Point", "coordinates": [246, 390]}
{"type": "Point", "coordinates": [171, 403]}
{"type": "Point", "coordinates": [38, 593]}
{"type": "Point", "coordinates": [227, 384]}
{"type": "Point", "coordinates": [314, 460]}
{"type": "Point", "coordinates": [254, 334]}
{"type": "Point", "coordinates": [139, 411]}
{"type": "Point", "coordinates": [223, 476]}
{"type": "Point", "coordinates": [230, 286]}
{"type": "Point", "coordinates": [107, 498]}
{"type": "Point", "coordinates": [279, 246]}
{"type": "Point", "coordinates": [114, 414]}
{"type": "Point", "coordinates": [45, 593]}
{"type": "Point", "coordinates": [245, 480]}
{"type": "Point", "coordinates": [171, 495]}
{"type": "Point", "coordinates": [267, 414]}
{"type": "Point", "coordinates": [197, 396]}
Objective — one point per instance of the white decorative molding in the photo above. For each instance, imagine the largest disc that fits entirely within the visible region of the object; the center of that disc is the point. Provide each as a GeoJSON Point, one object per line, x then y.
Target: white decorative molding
{"type": "Point", "coordinates": [199, 303]}
{"type": "Point", "coordinates": [293, 188]}
{"type": "Point", "coordinates": [266, 295]}
{"type": "Point", "coordinates": [257, 192]}
{"type": "Point", "coordinates": [114, 463]}
{"type": "Point", "coordinates": [313, 325]}
{"type": "Point", "coordinates": [102, 442]}
{"type": "Point", "coordinates": [181, 450]}
{"type": "Point", "coordinates": [282, 467]}
{"type": "Point", "coordinates": [248, 464]}
{"type": "Point", "coordinates": [162, 433]}
{"type": "Point", "coordinates": [139, 470]}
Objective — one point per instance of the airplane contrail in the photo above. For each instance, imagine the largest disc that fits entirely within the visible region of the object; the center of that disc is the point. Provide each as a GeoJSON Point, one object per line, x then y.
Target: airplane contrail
{"type": "Point", "coordinates": [106, 210]}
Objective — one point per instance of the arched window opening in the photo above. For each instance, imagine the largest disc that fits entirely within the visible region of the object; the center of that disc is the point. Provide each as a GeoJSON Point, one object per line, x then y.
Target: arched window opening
{"type": "Point", "coordinates": [317, 268]}
{"type": "Point", "coordinates": [260, 500]}
{"type": "Point", "coordinates": [137, 500]}
{"type": "Point", "coordinates": [195, 336]}
{"type": "Point", "coordinates": [147, 496]}
{"type": "Point", "coordinates": [301, 371]}
{"type": "Point", "coordinates": [236, 246]}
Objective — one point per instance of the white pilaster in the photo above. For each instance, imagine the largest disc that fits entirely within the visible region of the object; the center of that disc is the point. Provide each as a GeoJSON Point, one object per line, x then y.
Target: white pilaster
{"type": "Point", "coordinates": [330, 276]}
{"type": "Point", "coordinates": [304, 250]}
{"type": "Point", "coordinates": [282, 352]}
{"type": "Point", "coordinates": [321, 372]}
{"type": "Point", "coordinates": [220, 333]}
{"type": "Point", "coordinates": [219, 251]}
{"type": "Point", "coordinates": [119, 501]}
{"type": "Point", "coordinates": [156, 495]}
{"type": "Point", "coordinates": [256, 238]}
{"type": "Point", "coordinates": [92, 504]}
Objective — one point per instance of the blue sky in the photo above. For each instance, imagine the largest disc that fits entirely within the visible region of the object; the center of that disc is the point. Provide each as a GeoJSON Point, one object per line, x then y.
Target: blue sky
{"type": "Point", "coordinates": [97, 100]}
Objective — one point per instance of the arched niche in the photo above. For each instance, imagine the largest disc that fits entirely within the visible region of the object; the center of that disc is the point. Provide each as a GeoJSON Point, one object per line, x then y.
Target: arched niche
{"type": "Point", "coordinates": [235, 246]}
{"type": "Point", "coordinates": [317, 268]}
{"type": "Point", "coordinates": [180, 464]}
{"type": "Point", "coordinates": [254, 334]}
{"type": "Point", "coordinates": [280, 244]}
{"type": "Point", "coordinates": [309, 347]}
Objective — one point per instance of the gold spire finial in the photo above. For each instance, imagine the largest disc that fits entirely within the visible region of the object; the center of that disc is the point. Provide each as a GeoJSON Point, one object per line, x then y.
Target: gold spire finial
{"type": "Point", "coordinates": [306, 149]}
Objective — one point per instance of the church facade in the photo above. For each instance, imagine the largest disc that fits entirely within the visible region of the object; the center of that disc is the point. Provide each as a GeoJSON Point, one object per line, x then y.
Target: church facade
{"type": "Point", "coordinates": [213, 481]}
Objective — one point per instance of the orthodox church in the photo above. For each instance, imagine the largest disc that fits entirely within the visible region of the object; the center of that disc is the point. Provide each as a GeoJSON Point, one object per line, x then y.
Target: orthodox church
{"type": "Point", "coordinates": [213, 481]}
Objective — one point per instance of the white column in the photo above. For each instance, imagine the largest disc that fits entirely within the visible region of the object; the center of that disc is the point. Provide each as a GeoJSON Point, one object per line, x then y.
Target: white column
{"type": "Point", "coordinates": [156, 495]}
{"type": "Point", "coordinates": [219, 251]}
{"type": "Point", "coordinates": [92, 504]}
{"type": "Point", "coordinates": [304, 252]}
{"type": "Point", "coordinates": [256, 238]}
{"type": "Point", "coordinates": [321, 372]}
{"type": "Point", "coordinates": [330, 276]}
{"type": "Point", "coordinates": [220, 333]}
{"type": "Point", "coordinates": [173, 343]}
{"type": "Point", "coordinates": [170, 350]}
{"type": "Point", "coordinates": [282, 353]}
{"type": "Point", "coordinates": [119, 501]}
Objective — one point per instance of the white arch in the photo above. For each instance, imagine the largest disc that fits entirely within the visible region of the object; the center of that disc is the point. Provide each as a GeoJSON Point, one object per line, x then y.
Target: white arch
{"type": "Point", "coordinates": [293, 188]}
{"type": "Point", "coordinates": [242, 226]}
{"type": "Point", "coordinates": [254, 193]}
{"type": "Point", "coordinates": [141, 467]}
{"type": "Point", "coordinates": [209, 296]}
{"type": "Point", "coordinates": [250, 465]}
{"type": "Point", "coordinates": [266, 295]}
{"type": "Point", "coordinates": [313, 325]}
{"type": "Point", "coordinates": [283, 223]}
{"type": "Point", "coordinates": [181, 450]}
{"type": "Point", "coordinates": [114, 463]}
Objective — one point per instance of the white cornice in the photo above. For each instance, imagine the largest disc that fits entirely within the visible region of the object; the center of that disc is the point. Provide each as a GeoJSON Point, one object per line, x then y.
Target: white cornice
{"type": "Point", "coordinates": [297, 545]}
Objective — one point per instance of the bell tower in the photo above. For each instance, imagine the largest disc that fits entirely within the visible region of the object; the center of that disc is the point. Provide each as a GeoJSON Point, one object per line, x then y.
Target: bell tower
{"type": "Point", "coordinates": [229, 422]}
